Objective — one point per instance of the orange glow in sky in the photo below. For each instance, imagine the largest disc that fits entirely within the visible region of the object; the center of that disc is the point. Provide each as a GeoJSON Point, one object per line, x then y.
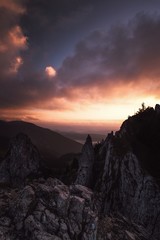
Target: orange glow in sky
{"type": "Point", "coordinates": [95, 116]}
{"type": "Point", "coordinates": [17, 37]}
{"type": "Point", "coordinates": [16, 65]}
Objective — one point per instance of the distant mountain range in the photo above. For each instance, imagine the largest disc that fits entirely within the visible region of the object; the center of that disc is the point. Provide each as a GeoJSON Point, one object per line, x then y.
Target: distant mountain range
{"type": "Point", "coordinates": [50, 144]}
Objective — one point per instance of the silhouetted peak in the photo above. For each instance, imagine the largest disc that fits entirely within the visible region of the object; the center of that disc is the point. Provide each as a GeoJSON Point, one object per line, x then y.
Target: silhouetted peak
{"type": "Point", "coordinates": [86, 161]}
{"type": "Point", "coordinates": [21, 139]}
{"type": "Point", "coordinates": [88, 139]}
{"type": "Point", "coordinates": [88, 144]}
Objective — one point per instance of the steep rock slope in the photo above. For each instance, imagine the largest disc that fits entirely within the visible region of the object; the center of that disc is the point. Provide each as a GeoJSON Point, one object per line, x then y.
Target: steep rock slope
{"type": "Point", "coordinates": [127, 185]}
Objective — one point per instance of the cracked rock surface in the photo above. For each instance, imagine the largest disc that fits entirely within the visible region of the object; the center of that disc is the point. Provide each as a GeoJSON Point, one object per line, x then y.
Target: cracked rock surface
{"type": "Point", "coordinates": [47, 209]}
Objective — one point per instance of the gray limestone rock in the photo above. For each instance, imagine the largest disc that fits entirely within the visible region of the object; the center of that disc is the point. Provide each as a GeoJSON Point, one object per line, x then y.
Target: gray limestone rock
{"type": "Point", "coordinates": [48, 211]}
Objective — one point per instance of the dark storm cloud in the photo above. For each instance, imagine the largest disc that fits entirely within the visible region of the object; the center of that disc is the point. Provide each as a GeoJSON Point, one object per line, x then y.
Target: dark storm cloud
{"type": "Point", "coordinates": [125, 54]}
{"type": "Point", "coordinates": [50, 26]}
{"type": "Point", "coordinates": [29, 91]}
{"type": "Point", "coordinates": [54, 27]}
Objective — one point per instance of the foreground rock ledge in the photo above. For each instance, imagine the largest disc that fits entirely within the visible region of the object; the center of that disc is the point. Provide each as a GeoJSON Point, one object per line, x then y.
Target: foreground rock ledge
{"type": "Point", "coordinates": [48, 210]}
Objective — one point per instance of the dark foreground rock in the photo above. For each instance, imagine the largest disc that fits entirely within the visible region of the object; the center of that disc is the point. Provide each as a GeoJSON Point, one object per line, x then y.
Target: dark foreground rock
{"type": "Point", "coordinates": [48, 210]}
{"type": "Point", "coordinates": [120, 228]}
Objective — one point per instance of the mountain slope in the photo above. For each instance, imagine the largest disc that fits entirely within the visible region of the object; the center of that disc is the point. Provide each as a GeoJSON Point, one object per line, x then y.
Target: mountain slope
{"type": "Point", "coordinates": [50, 144]}
{"type": "Point", "coordinates": [124, 203]}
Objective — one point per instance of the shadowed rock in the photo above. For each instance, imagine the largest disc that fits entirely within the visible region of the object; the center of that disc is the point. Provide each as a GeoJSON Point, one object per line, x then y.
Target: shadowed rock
{"type": "Point", "coordinates": [126, 186]}
{"type": "Point", "coordinates": [48, 210]}
{"type": "Point", "coordinates": [22, 162]}
{"type": "Point", "coordinates": [86, 161]}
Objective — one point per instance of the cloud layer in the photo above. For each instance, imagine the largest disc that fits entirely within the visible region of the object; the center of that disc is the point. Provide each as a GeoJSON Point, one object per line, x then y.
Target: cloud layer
{"type": "Point", "coordinates": [125, 56]}
{"type": "Point", "coordinates": [106, 64]}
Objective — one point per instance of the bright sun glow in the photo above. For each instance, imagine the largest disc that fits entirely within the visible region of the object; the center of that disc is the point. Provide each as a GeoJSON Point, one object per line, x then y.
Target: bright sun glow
{"type": "Point", "coordinates": [96, 116]}
{"type": "Point", "coordinates": [97, 112]}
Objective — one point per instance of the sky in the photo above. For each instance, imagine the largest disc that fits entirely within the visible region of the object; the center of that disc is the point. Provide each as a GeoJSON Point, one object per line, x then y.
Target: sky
{"type": "Point", "coordinates": [78, 64]}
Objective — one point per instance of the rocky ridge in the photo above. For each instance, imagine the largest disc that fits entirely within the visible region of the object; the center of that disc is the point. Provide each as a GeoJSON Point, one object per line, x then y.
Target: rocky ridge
{"type": "Point", "coordinates": [124, 202]}
{"type": "Point", "coordinates": [128, 181]}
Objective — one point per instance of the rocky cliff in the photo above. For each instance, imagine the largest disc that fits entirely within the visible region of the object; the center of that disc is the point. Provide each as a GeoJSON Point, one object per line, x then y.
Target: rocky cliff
{"type": "Point", "coordinates": [123, 172]}
{"type": "Point", "coordinates": [127, 184]}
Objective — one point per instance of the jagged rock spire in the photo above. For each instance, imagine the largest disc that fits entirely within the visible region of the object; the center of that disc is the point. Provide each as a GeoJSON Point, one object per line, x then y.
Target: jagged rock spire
{"type": "Point", "coordinates": [89, 139]}
{"type": "Point", "coordinates": [85, 171]}
{"type": "Point", "coordinates": [22, 161]}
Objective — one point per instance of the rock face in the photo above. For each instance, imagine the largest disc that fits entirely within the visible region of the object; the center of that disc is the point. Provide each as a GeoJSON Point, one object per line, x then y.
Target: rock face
{"type": "Point", "coordinates": [126, 187]}
{"type": "Point", "coordinates": [85, 171]}
{"type": "Point", "coordinates": [120, 228]}
{"type": "Point", "coordinates": [22, 162]}
{"type": "Point", "coordinates": [48, 210]}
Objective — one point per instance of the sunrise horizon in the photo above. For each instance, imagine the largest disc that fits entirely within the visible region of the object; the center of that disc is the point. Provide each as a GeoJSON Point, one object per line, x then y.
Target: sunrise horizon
{"type": "Point", "coordinates": [83, 65]}
{"type": "Point", "coordinates": [86, 126]}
